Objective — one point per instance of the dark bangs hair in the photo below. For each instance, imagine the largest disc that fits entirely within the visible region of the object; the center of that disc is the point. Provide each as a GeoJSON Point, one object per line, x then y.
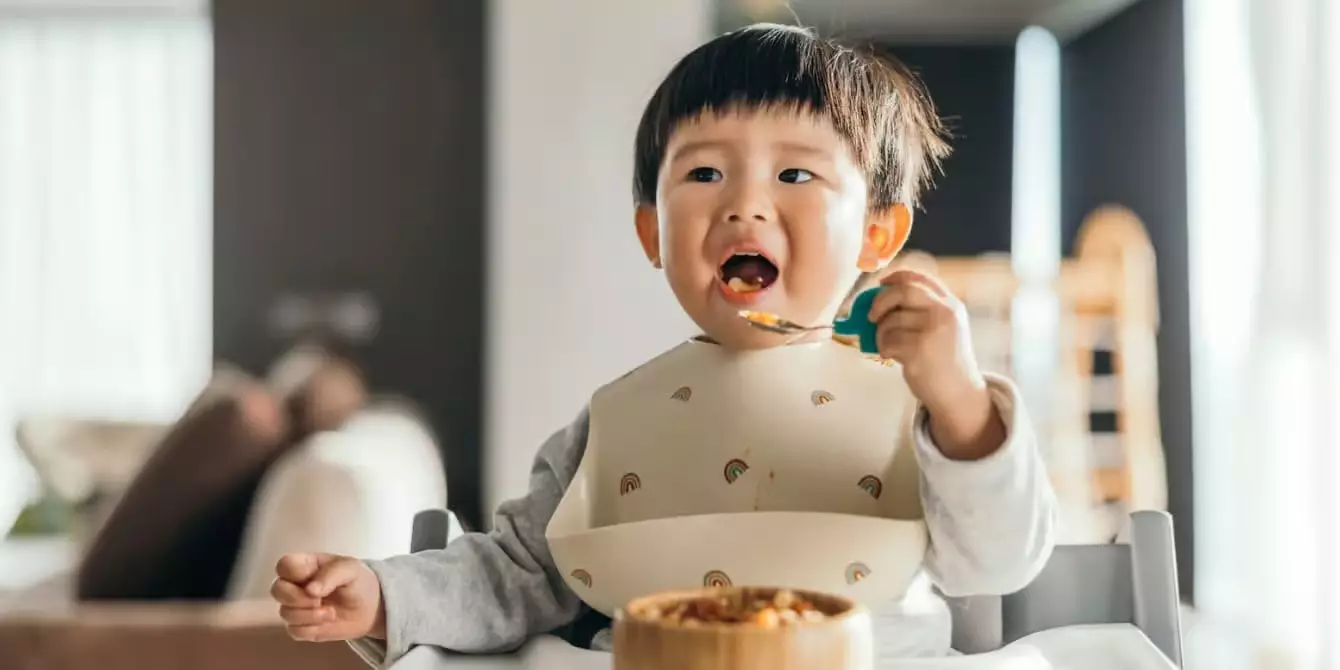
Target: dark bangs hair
{"type": "Point", "coordinates": [876, 104]}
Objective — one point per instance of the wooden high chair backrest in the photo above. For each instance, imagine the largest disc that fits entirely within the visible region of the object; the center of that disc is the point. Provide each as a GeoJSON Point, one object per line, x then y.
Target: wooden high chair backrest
{"type": "Point", "coordinates": [1100, 433]}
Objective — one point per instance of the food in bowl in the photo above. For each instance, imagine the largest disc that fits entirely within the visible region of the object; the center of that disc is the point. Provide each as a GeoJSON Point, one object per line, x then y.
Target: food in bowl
{"type": "Point", "coordinates": [749, 607]}
{"type": "Point", "coordinates": [749, 627]}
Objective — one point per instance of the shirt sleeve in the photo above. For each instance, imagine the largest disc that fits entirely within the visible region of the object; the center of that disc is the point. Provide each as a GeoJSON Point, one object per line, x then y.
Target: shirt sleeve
{"type": "Point", "coordinates": [992, 521]}
{"type": "Point", "coordinates": [485, 592]}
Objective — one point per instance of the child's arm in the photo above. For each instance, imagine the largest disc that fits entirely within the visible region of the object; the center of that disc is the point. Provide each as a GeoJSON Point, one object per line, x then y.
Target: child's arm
{"type": "Point", "coordinates": [486, 591]}
{"type": "Point", "coordinates": [992, 521]}
{"type": "Point", "coordinates": [989, 505]}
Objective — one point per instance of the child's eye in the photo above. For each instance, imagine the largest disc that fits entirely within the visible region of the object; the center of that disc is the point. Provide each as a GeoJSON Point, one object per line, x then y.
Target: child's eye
{"type": "Point", "coordinates": [704, 174]}
{"type": "Point", "coordinates": [795, 176]}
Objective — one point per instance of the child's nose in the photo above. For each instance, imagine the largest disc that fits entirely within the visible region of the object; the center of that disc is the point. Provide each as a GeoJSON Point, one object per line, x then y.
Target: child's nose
{"type": "Point", "coordinates": [749, 204]}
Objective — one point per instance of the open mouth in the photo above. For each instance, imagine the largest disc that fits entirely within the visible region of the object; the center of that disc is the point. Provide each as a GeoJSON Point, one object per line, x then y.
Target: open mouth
{"type": "Point", "coordinates": [748, 272]}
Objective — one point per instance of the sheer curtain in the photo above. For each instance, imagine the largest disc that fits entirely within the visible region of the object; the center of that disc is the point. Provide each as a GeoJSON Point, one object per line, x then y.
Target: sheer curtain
{"type": "Point", "coordinates": [1264, 149]}
{"type": "Point", "coordinates": [105, 211]}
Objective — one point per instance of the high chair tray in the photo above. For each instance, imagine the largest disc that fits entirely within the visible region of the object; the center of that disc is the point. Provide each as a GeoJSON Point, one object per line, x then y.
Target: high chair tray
{"type": "Point", "coordinates": [1097, 647]}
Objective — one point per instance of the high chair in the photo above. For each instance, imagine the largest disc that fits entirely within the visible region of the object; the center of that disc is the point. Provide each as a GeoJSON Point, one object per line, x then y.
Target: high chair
{"type": "Point", "coordinates": [1125, 583]}
{"type": "Point", "coordinates": [1133, 583]}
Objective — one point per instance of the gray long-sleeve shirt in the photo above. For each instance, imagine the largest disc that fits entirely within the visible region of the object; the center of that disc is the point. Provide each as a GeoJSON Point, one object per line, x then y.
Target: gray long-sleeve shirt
{"type": "Point", "coordinates": [991, 525]}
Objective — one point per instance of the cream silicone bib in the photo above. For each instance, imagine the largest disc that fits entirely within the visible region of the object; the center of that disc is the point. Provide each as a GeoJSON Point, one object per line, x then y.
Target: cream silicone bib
{"type": "Point", "coordinates": [791, 466]}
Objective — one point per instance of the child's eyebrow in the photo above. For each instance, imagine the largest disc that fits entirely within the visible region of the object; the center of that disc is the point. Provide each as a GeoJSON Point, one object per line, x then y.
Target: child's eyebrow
{"type": "Point", "coordinates": [787, 146]}
{"type": "Point", "coordinates": [693, 147]}
{"type": "Point", "coordinates": [798, 148]}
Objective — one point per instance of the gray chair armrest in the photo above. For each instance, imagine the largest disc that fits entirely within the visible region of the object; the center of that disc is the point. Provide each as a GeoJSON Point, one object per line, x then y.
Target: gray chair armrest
{"type": "Point", "coordinates": [1133, 583]}
{"type": "Point", "coordinates": [432, 530]}
{"type": "Point", "coordinates": [1158, 596]}
{"type": "Point", "coordinates": [977, 625]}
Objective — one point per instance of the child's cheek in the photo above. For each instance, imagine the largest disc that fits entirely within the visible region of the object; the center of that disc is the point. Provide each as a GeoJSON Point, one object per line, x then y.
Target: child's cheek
{"type": "Point", "coordinates": [682, 251]}
{"type": "Point", "coordinates": [819, 264]}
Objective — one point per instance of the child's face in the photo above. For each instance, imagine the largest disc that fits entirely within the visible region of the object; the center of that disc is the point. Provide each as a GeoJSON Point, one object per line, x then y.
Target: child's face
{"type": "Point", "coordinates": [763, 211]}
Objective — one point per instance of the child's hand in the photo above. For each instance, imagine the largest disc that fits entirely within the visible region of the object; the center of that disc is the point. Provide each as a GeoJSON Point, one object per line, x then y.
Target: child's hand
{"type": "Point", "coordinates": [323, 598]}
{"type": "Point", "coordinates": [925, 328]}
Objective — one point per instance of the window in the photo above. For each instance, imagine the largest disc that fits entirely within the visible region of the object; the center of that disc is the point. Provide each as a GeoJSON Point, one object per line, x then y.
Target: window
{"type": "Point", "coordinates": [1035, 246]}
{"type": "Point", "coordinates": [105, 209]}
{"type": "Point", "coordinates": [1263, 83]}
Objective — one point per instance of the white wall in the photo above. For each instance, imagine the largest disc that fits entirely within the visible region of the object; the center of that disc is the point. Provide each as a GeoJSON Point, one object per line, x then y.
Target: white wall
{"type": "Point", "coordinates": [572, 302]}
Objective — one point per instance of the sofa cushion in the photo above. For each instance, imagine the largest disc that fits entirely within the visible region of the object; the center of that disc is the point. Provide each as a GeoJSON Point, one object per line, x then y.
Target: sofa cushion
{"type": "Point", "coordinates": [174, 534]}
{"type": "Point", "coordinates": [319, 386]}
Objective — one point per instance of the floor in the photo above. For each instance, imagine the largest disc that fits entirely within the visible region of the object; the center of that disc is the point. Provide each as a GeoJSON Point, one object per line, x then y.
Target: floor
{"type": "Point", "coordinates": [1210, 645]}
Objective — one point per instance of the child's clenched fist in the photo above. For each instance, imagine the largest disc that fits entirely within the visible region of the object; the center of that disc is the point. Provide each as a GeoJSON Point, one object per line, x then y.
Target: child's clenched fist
{"type": "Point", "coordinates": [323, 598]}
{"type": "Point", "coordinates": [924, 327]}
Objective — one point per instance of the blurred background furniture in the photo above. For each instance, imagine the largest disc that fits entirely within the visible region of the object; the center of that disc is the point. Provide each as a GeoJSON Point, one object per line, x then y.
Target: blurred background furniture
{"type": "Point", "coordinates": [1098, 416]}
{"type": "Point", "coordinates": [167, 636]}
{"type": "Point", "coordinates": [84, 465]}
{"type": "Point", "coordinates": [173, 569]}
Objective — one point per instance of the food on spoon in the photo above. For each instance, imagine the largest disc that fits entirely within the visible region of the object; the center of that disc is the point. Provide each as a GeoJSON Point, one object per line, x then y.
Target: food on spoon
{"type": "Point", "coordinates": [761, 318]}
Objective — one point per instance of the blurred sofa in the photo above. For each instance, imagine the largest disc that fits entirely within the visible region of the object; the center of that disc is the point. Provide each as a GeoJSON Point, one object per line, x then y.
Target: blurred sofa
{"type": "Point", "coordinates": [175, 554]}
{"type": "Point", "coordinates": [162, 636]}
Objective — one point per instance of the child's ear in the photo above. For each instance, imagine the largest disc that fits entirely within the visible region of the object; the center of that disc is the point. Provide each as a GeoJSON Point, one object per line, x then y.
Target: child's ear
{"type": "Point", "coordinates": [649, 233]}
{"type": "Point", "coordinates": [885, 234]}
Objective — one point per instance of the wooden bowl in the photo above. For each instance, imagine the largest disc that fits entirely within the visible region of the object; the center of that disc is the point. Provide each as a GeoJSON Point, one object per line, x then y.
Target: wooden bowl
{"type": "Point", "coordinates": [841, 640]}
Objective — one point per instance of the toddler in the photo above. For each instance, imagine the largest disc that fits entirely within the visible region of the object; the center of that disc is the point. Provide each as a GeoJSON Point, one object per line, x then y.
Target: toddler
{"type": "Point", "coordinates": [774, 171]}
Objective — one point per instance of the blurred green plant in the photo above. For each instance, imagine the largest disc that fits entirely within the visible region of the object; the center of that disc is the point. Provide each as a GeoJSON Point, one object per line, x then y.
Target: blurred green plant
{"type": "Point", "coordinates": [47, 515]}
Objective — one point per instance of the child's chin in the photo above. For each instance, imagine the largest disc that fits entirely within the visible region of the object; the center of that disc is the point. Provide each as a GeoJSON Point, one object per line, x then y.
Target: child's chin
{"type": "Point", "coordinates": [742, 336]}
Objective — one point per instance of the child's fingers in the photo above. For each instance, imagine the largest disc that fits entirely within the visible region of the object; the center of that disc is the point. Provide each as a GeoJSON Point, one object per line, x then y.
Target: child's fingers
{"type": "Point", "coordinates": [898, 344]}
{"type": "Point", "coordinates": [930, 281]}
{"type": "Point", "coordinates": [324, 632]}
{"type": "Point", "coordinates": [306, 616]}
{"type": "Point", "coordinates": [298, 568]}
{"type": "Point", "coordinates": [907, 319]}
{"type": "Point", "coordinates": [333, 575]}
{"type": "Point", "coordinates": [310, 633]}
{"type": "Point", "coordinates": [288, 593]}
{"type": "Point", "coordinates": [908, 294]}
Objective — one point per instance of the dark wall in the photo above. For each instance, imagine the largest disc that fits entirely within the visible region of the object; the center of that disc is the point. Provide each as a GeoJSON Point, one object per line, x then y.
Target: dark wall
{"type": "Point", "coordinates": [1124, 141]}
{"type": "Point", "coordinates": [968, 211]}
{"type": "Point", "coordinates": [349, 154]}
